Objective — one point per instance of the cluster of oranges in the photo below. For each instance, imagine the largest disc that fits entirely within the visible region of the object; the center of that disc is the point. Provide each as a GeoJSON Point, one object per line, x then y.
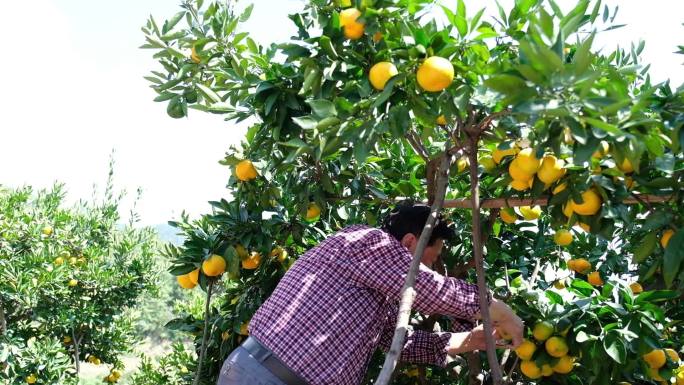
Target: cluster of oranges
{"type": "Point", "coordinates": [656, 360]}
{"type": "Point", "coordinates": [551, 341]}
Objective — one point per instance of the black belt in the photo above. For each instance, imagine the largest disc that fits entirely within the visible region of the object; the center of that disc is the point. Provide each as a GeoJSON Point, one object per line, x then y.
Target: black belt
{"type": "Point", "coordinates": [271, 362]}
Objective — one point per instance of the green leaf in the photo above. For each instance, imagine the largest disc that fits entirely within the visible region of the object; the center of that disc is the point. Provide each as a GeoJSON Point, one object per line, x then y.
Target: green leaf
{"type": "Point", "coordinates": [615, 347]}
{"type": "Point", "coordinates": [605, 126]}
{"type": "Point", "coordinates": [208, 93]}
{"type": "Point", "coordinates": [246, 13]}
{"type": "Point", "coordinates": [674, 255]}
{"type": "Point", "coordinates": [387, 92]}
{"type": "Point", "coordinates": [322, 108]}
{"type": "Point", "coordinates": [305, 122]}
{"type": "Point", "coordinates": [506, 84]}
{"type": "Point", "coordinates": [461, 9]}
{"type": "Point", "coordinates": [645, 247]}
{"type": "Point", "coordinates": [461, 25]}
{"type": "Point", "coordinates": [656, 296]}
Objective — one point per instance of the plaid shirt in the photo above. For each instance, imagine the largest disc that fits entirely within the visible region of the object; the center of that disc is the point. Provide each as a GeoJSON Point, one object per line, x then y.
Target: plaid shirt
{"type": "Point", "coordinates": [339, 302]}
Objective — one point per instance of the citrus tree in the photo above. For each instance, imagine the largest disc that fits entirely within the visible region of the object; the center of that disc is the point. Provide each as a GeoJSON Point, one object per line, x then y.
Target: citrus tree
{"type": "Point", "coordinates": [69, 277]}
{"type": "Point", "coordinates": [561, 166]}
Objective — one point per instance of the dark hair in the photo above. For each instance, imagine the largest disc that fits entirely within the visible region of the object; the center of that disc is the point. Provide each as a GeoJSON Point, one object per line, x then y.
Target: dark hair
{"type": "Point", "coordinates": [410, 218]}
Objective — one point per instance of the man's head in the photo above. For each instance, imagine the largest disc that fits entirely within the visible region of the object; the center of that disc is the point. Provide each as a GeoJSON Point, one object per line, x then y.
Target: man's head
{"type": "Point", "coordinates": [406, 222]}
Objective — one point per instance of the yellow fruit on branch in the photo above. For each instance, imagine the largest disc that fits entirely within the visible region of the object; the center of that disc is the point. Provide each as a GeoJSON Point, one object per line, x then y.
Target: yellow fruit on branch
{"type": "Point", "coordinates": [560, 285]}
{"type": "Point", "coordinates": [551, 169]}
{"type": "Point", "coordinates": [579, 265]}
{"type": "Point", "coordinates": [110, 378]}
{"type": "Point", "coordinates": [312, 212]}
{"type": "Point", "coordinates": [279, 253]}
{"type": "Point", "coordinates": [462, 163]}
{"type": "Point", "coordinates": [594, 278]}
{"type": "Point", "coordinates": [245, 170]}
{"type": "Point", "coordinates": [435, 74]}
{"type": "Point", "coordinates": [528, 161]}
{"type": "Point", "coordinates": [591, 203]}
{"type": "Point", "coordinates": [655, 358]}
{"type": "Point", "coordinates": [564, 365]}
{"type": "Point", "coordinates": [546, 370]}
{"type": "Point", "coordinates": [517, 173]}
{"type": "Point", "coordinates": [584, 227]}
{"type": "Point", "coordinates": [488, 163]}
{"type": "Point", "coordinates": [214, 266]}
{"type": "Point", "coordinates": [31, 379]}
{"type": "Point", "coordinates": [673, 355]}
{"type": "Point", "coordinates": [530, 213]}
{"type": "Point", "coordinates": [665, 239]}
{"type": "Point", "coordinates": [73, 261]}
{"type": "Point", "coordinates": [636, 287]}
{"type": "Point", "coordinates": [241, 251]}
{"type": "Point", "coordinates": [567, 209]}
{"type": "Point", "coordinates": [47, 230]}
{"type": "Point", "coordinates": [377, 37]}
{"type": "Point", "coordinates": [194, 276]}
{"type": "Point", "coordinates": [508, 215]}
{"type": "Point", "coordinates": [530, 369]}
{"type": "Point", "coordinates": [66, 339]}
{"type": "Point", "coordinates": [626, 166]}
{"type": "Point", "coordinates": [542, 331]}
{"type": "Point", "coordinates": [499, 154]}
{"type": "Point", "coordinates": [185, 282]}
{"type": "Point", "coordinates": [441, 120]}
{"type": "Point", "coordinates": [526, 350]}
{"type": "Point", "coordinates": [252, 262]}
{"type": "Point", "coordinates": [380, 73]}
{"type": "Point", "coordinates": [559, 188]}
{"type": "Point", "coordinates": [353, 30]}
{"type": "Point", "coordinates": [556, 347]}
{"type": "Point", "coordinates": [58, 261]}
{"type": "Point", "coordinates": [72, 282]}
{"type": "Point", "coordinates": [562, 237]}
{"type": "Point", "coordinates": [193, 56]}
{"type": "Point", "coordinates": [116, 374]}
{"type": "Point", "coordinates": [602, 151]}
{"type": "Point", "coordinates": [521, 185]}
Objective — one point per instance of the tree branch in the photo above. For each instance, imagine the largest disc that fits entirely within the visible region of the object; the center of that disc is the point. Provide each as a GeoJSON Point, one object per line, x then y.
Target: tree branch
{"type": "Point", "coordinates": [408, 292]}
{"type": "Point", "coordinates": [205, 334]}
{"type": "Point", "coordinates": [479, 264]}
{"type": "Point", "coordinates": [417, 145]}
{"type": "Point", "coordinates": [3, 321]}
{"type": "Point", "coordinates": [76, 353]}
{"type": "Point", "coordinates": [465, 203]}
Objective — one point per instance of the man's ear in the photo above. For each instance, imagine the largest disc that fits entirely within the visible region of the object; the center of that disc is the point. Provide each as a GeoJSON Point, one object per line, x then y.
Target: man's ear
{"type": "Point", "coordinates": [408, 240]}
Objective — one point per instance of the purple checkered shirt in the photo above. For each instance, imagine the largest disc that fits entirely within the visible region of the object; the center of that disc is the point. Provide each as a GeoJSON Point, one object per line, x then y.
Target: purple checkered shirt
{"type": "Point", "coordinates": [339, 302]}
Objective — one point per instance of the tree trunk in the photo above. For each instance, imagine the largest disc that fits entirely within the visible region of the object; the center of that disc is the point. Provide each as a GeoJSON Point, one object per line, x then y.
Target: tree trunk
{"type": "Point", "coordinates": [479, 264]}
{"type": "Point", "coordinates": [205, 334]}
{"type": "Point", "coordinates": [408, 292]}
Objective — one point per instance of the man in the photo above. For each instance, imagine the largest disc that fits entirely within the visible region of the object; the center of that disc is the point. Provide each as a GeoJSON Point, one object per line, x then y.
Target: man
{"type": "Point", "coordinates": [339, 302]}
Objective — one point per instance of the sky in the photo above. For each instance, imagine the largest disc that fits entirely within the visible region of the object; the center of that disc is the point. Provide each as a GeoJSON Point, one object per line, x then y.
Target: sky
{"type": "Point", "coordinates": [73, 93]}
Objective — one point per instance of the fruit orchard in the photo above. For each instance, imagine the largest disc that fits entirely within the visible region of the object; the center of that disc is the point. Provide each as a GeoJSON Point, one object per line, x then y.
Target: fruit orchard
{"type": "Point", "coordinates": [563, 172]}
{"type": "Point", "coordinates": [69, 277]}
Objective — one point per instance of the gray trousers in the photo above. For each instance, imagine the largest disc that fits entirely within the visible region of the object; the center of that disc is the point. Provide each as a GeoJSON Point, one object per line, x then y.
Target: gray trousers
{"type": "Point", "coordinates": [240, 368]}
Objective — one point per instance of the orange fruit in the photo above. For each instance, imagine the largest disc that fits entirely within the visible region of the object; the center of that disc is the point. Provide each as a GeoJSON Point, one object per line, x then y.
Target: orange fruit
{"type": "Point", "coordinates": [508, 215]}
{"type": "Point", "coordinates": [559, 188]}
{"type": "Point", "coordinates": [626, 166]}
{"type": "Point", "coordinates": [520, 185]}
{"type": "Point", "coordinates": [636, 287]}
{"type": "Point", "coordinates": [579, 265]}
{"type": "Point", "coordinates": [551, 169]}
{"type": "Point", "coordinates": [194, 276]}
{"type": "Point", "coordinates": [435, 74]}
{"type": "Point", "coordinates": [564, 365]}
{"type": "Point", "coordinates": [665, 239]}
{"type": "Point", "coordinates": [185, 282]}
{"type": "Point", "coordinates": [245, 171]}
{"type": "Point", "coordinates": [252, 262]}
{"type": "Point", "coordinates": [312, 212]}
{"type": "Point", "coordinates": [517, 172]}
{"type": "Point", "coordinates": [353, 30]}
{"type": "Point", "coordinates": [542, 331]}
{"type": "Point", "coordinates": [530, 369]}
{"type": "Point", "coordinates": [591, 203]}
{"type": "Point", "coordinates": [556, 347]}
{"type": "Point", "coordinates": [441, 120]}
{"type": "Point", "coordinates": [594, 278]}
{"type": "Point", "coordinates": [530, 213]}
{"type": "Point", "coordinates": [499, 154]}
{"type": "Point", "coordinates": [528, 161]}
{"type": "Point", "coordinates": [562, 237]}
{"type": "Point", "coordinates": [214, 266]}
{"type": "Point", "coordinates": [526, 350]}
{"type": "Point", "coordinates": [655, 358]}
{"type": "Point", "coordinates": [380, 73]}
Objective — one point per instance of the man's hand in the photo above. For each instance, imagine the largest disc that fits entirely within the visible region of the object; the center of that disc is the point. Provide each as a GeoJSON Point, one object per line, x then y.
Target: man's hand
{"type": "Point", "coordinates": [469, 341]}
{"type": "Point", "coordinates": [507, 322]}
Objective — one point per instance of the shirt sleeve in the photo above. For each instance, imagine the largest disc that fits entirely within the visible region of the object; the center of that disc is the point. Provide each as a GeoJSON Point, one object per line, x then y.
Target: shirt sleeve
{"type": "Point", "coordinates": [420, 347]}
{"type": "Point", "coordinates": [381, 263]}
